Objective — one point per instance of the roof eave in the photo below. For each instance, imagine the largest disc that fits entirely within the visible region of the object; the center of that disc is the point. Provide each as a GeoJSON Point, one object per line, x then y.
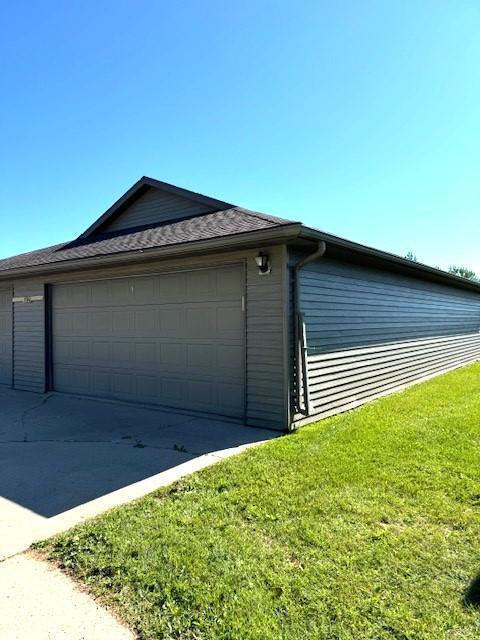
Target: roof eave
{"type": "Point", "coordinates": [395, 262]}
{"type": "Point", "coordinates": [280, 234]}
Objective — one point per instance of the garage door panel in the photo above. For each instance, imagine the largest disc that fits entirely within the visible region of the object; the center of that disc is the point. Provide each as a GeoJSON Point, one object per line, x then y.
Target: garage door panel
{"type": "Point", "coordinates": [121, 291]}
{"type": "Point", "coordinates": [146, 353]}
{"type": "Point", "coordinates": [122, 322]}
{"type": "Point", "coordinates": [171, 321]}
{"type": "Point", "coordinates": [102, 381]}
{"type": "Point", "coordinates": [175, 339]}
{"type": "Point", "coordinates": [229, 321]}
{"type": "Point", "coordinates": [200, 322]}
{"type": "Point", "coordinates": [201, 356]}
{"type": "Point", "coordinates": [172, 287]}
{"type": "Point", "coordinates": [97, 323]}
{"type": "Point", "coordinates": [199, 393]}
{"type": "Point", "coordinates": [78, 297]}
{"type": "Point", "coordinates": [200, 284]}
{"type": "Point", "coordinates": [73, 379]}
{"type": "Point", "coordinates": [148, 387]}
{"type": "Point", "coordinates": [229, 355]}
{"type": "Point", "coordinates": [231, 393]}
{"type": "Point", "coordinates": [123, 352]}
{"type": "Point", "coordinates": [173, 354]}
{"type": "Point", "coordinates": [100, 295]}
{"type": "Point", "coordinates": [198, 356]}
{"type": "Point", "coordinates": [101, 351]}
{"type": "Point", "coordinates": [63, 324]}
{"type": "Point", "coordinates": [145, 323]}
{"type": "Point", "coordinates": [229, 285]}
{"type": "Point", "coordinates": [123, 384]}
{"type": "Point", "coordinates": [80, 324]}
{"type": "Point", "coordinates": [81, 351]}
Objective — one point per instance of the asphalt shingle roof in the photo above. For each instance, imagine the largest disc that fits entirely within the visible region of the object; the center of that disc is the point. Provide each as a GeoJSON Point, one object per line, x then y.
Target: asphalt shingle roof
{"type": "Point", "coordinates": [202, 227]}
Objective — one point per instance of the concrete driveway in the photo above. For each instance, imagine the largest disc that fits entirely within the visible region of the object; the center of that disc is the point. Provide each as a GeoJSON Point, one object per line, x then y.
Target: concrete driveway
{"type": "Point", "coordinates": [64, 459]}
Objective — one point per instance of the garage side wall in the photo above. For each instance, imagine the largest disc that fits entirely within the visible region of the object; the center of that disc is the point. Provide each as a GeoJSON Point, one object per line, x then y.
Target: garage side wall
{"type": "Point", "coordinates": [29, 336]}
{"type": "Point", "coordinates": [370, 332]}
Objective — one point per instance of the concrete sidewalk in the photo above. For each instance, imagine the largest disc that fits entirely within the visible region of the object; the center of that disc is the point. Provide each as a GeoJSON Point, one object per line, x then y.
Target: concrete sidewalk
{"type": "Point", "coordinates": [38, 602]}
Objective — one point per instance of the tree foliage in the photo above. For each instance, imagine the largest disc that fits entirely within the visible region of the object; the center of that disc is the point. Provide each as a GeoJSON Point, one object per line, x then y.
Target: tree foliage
{"type": "Point", "coordinates": [411, 256]}
{"type": "Point", "coordinates": [463, 272]}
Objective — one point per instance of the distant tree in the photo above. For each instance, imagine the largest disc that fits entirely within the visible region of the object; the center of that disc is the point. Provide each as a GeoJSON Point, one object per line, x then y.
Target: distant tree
{"type": "Point", "coordinates": [463, 272]}
{"type": "Point", "coordinates": [411, 256]}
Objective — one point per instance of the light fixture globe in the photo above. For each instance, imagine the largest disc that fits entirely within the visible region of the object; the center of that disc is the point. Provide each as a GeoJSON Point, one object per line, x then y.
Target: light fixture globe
{"type": "Point", "coordinates": [263, 263]}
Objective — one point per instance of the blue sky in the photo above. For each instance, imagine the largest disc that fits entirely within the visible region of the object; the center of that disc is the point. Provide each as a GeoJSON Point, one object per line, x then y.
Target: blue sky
{"type": "Point", "coordinates": [359, 118]}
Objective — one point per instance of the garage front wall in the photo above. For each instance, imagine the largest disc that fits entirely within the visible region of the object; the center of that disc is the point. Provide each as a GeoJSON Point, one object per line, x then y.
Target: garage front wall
{"type": "Point", "coordinates": [240, 371]}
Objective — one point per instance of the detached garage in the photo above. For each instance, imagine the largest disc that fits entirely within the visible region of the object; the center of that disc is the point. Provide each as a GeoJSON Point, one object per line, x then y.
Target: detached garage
{"type": "Point", "coordinates": [176, 299]}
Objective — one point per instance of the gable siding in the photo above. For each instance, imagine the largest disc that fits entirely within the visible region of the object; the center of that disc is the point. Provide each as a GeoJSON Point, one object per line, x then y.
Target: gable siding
{"type": "Point", "coordinates": [370, 332]}
{"type": "Point", "coordinates": [156, 207]}
{"type": "Point", "coordinates": [29, 338]}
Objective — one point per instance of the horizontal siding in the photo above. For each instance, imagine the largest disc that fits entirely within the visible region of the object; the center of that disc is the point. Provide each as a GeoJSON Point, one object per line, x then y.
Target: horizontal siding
{"type": "Point", "coordinates": [266, 390]}
{"type": "Point", "coordinates": [6, 314]}
{"type": "Point", "coordinates": [347, 306]}
{"type": "Point", "coordinates": [29, 338]}
{"type": "Point", "coordinates": [371, 332]}
{"type": "Point", "coordinates": [156, 207]}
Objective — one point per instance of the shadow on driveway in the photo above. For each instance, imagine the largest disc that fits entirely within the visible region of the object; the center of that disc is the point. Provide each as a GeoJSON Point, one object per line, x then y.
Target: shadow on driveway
{"type": "Point", "coordinates": [58, 452]}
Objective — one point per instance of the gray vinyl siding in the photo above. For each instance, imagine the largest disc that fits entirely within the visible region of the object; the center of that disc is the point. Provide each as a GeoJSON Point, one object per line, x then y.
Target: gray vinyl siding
{"type": "Point", "coordinates": [267, 390]}
{"type": "Point", "coordinates": [29, 338]}
{"type": "Point", "coordinates": [370, 332]}
{"type": "Point", "coordinates": [6, 314]}
{"type": "Point", "coordinates": [155, 207]}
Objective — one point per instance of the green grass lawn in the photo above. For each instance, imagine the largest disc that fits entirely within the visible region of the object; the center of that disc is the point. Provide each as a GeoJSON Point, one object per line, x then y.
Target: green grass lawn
{"type": "Point", "coordinates": [365, 525]}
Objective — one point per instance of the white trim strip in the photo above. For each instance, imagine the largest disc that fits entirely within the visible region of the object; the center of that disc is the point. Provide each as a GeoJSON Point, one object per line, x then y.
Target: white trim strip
{"type": "Point", "coordinates": [27, 299]}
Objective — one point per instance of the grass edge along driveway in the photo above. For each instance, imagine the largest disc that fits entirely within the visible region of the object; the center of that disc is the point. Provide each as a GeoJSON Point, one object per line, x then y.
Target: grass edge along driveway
{"type": "Point", "coordinates": [363, 526]}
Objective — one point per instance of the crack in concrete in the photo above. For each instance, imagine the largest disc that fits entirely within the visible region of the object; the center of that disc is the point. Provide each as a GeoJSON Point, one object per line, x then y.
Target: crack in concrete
{"type": "Point", "coordinates": [112, 442]}
{"type": "Point", "coordinates": [128, 441]}
{"type": "Point", "coordinates": [24, 414]}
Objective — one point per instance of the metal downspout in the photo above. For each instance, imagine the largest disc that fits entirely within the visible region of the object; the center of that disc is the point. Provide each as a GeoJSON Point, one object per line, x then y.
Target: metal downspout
{"type": "Point", "coordinates": [300, 337]}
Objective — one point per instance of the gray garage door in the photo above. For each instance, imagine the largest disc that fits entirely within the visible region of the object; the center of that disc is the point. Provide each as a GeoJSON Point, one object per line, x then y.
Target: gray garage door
{"type": "Point", "coordinates": [174, 339]}
{"type": "Point", "coordinates": [6, 337]}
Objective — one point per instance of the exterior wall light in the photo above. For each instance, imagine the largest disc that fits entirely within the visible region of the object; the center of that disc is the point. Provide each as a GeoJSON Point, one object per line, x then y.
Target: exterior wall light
{"type": "Point", "coordinates": [263, 263]}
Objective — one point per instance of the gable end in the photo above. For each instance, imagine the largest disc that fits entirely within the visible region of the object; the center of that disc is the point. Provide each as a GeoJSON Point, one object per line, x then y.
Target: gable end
{"type": "Point", "coordinates": [151, 202]}
{"type": "Point", "coordinates": [154, 207]}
